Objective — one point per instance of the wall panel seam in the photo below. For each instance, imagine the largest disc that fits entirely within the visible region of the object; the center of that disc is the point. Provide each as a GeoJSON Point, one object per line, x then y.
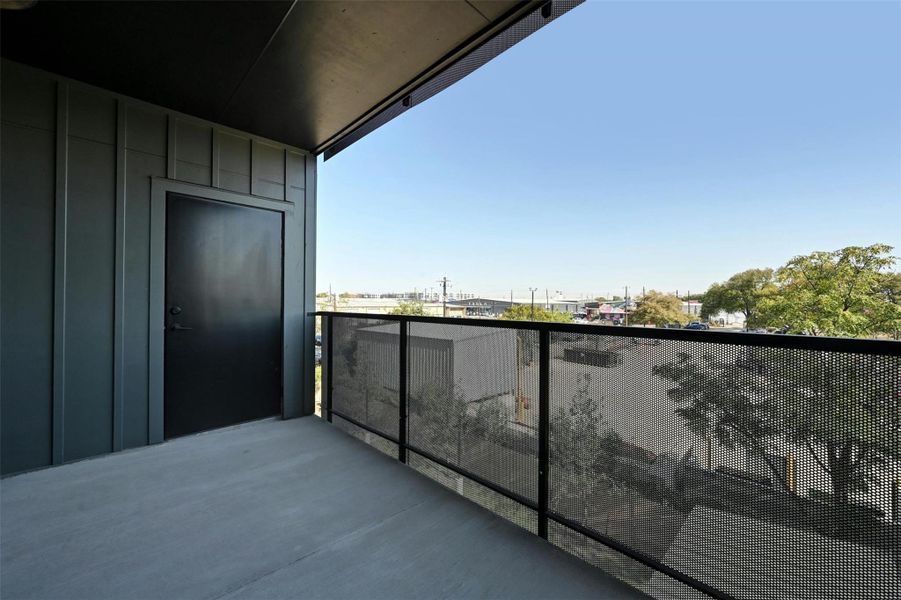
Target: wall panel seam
{"type": "Point", "coordinates": [59, 273]}
{"type": "Point", "coordinates": [192, 163]}
{"type": "Point", "coordinates": [92, 140]}
{"type": "Point", "coordinates": [119, 293]}
{"type": "Point", "coordinates": [231, 172]}
{"type": "Point", "coordinates": [214, 159]}
{"type": "Point", "coordinates": [170, 146]}
{"type": "Point", "coordinates": [25, 126]}
{"type": "Point", "coordinates": [145, 153]}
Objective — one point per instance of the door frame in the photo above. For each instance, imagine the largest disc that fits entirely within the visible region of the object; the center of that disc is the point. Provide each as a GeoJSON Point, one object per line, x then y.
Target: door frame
{"type": "Point", "coordinates": [293, 295]}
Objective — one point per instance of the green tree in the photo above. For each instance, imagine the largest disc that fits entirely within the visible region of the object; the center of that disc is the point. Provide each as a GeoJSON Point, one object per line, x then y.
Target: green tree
{"type": "Point", "coordinates": [843, 409]}
{"type": "Point", "coordinates": [847, 292]}
{"type": "Point", "coordinates": [413, 307]}
{"type": "Point", "coordinates": [452, 423]}
{"type": "Point", "coordinates": [360, 382]}
{"type": "Point", "coordinates": [743, 292]}
{"type": "Point", "coordinates": [580, 444]}
{"type": "Point", "coordinates": [525, 312]}
{"type": "Point", "coordinates": [658, 309]}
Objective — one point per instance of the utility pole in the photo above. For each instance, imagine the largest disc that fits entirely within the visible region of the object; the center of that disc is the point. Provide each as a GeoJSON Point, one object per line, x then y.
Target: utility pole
{"type": "Point", "coordinates": [444, 281]}
{"type": "Point", "coordinates": [626, 309]}
{"type": "Point", "coordinates": [532, 310]}
{"type": "Point", "coordinates": [547, 299]}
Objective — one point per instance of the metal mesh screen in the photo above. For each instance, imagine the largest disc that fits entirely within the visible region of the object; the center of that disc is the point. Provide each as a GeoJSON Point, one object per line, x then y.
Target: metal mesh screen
{"type": "Point", "coordinates": [499, 504]}
{"type": "Point", "coordinates": [473, 401]}
{"type": "Point", "coordinates": [763, 472]}
{"type": "Point", "coordinates": [365, 381]}
{"type": "Point", "coordinates": [743, 465]}
{"type": "Point", "coordinates": [619, 565]}
{"type": "Point", "coordinates": [376, 441]}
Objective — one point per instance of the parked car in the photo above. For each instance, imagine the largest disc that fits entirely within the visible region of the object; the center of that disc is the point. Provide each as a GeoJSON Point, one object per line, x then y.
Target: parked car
{"type": "Point", "coordinates": [697, 325]}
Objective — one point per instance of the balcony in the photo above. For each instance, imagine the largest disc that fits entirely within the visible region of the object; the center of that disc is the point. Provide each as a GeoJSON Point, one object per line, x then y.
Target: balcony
{"type": "Point", "coordinates": [271, 509]}
{"type": "Point", "coordinates": [685, 463]}
{"type": "Point", "coordinates": [503, 460]}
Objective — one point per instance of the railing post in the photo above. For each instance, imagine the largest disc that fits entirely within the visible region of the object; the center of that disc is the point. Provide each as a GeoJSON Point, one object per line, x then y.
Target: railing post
{"type": "Point", "coordinates": [329, 373]}
{"type": "Point", "coordinates": [402, 399]}
{"type": "Point", "coordinates": [544, 376]}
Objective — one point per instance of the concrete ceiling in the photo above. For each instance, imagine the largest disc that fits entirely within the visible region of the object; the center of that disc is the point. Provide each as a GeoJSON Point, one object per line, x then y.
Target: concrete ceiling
{"type": "Point", "coordinates": [304, 73]}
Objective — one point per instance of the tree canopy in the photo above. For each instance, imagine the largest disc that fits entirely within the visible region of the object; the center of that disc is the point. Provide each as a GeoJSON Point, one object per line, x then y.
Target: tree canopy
{"type": "Point", "coordinates": [413, 307]}
{"type": "Point", "coordinates": [743, 292]}
{"type": "Point", "coordinates": [525, 312]}
{"type": "Point", "coordinates": [658, 309]}
{"type": "Point", "coordinates": [842, 409]}
{"type": "Point", "coordinates": [580, 440]}
{"type": "Point", "coordinates": [846, 292]}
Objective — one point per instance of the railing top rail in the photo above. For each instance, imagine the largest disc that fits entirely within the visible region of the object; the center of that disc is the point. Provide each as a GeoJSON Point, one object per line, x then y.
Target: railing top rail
{"type": "Point", "coordinates": [769, 340]}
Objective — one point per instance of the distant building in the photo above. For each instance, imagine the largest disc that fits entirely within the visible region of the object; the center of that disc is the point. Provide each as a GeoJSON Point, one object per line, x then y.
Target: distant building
{"type": "Point", "coordinates": [481, 307]}
{"type": "Point", "coordinates": [606, 311]}
{"type": "Point", "coordinates": [692, 307]}
{"type": "Point", "coordinates": [495, 307]}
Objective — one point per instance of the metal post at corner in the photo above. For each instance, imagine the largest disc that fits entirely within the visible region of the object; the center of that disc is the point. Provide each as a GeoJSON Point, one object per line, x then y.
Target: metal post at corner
{"type": "Point", "coordinates": [544, 376]}
{"type": "Point", "coordinates": [402, 396]}
{"type": "Point", "coordinates": [329, 373]}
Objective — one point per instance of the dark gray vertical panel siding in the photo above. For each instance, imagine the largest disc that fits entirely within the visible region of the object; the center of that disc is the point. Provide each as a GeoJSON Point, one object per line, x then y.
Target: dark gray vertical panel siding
{"type": "Point", "coordinates": [63, 188]}
{"type": "Point", "coordinates": [146, 130]}
{"type": "Point", "coordinates": [59, 269]}
{"type": "Point", "coordinates": [140, 167]}
{"type": "Point", "coordinates": [145, 157]}
{"type": "Point", "coordinates": [119, 295]}
{"type": "Point", "coordinates": [27, 205]}
{"type": "Point", "coordinates": [293, 306]}
{"type": "Point", "coordinates": [90, 276]}
{"type": "Point", "coordinates": [268, 171]}
{"type": "Point", "coordinates": [297, 174]}
{"type": "Point", "coordinates": [26, 317]}
{"type": "Point", "coordinates": [92, 116]}
{"type": "Point", "coordinates": [193, 152]}
{"type": "Point", "coordinates": [309, 280]}
{"type": "Point", "coordinates": [27, 97]}
{"type": "Point", "coordinates": [234, 163]}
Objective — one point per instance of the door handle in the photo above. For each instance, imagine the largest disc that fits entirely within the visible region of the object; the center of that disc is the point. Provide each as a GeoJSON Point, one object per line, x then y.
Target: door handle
{"type": "Point", "coordinates": [179, 327]}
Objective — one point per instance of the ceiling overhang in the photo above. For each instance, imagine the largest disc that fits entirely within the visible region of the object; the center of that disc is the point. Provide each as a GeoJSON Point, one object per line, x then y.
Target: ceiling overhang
{"type": "Point", "coordinates": [316, 75]}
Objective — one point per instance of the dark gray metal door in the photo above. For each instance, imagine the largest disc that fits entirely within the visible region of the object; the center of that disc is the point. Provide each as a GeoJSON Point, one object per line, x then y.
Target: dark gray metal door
{"type": "Point", "coordinates": [223, 357]}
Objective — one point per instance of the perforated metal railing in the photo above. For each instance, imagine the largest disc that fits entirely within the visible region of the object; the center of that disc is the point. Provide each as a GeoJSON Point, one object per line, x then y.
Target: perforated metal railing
{"type": "Point", "coordinates": [690, 464]}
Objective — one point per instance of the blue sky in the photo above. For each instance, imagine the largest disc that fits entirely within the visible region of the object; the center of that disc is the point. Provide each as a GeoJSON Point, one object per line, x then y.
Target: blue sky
{"type": "Point", "coordinates": [658, 144]}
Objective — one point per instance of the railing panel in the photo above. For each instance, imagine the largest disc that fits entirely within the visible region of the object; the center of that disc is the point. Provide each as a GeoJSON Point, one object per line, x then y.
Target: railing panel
{"type": "Point", "coordinates": [473, 401]}
{"type": "Point", "coordinates": [762, 472]}
{"type": "Point", "coordinates": [365, 380]}
{"type": "Point", "coordinates": [723, 465]}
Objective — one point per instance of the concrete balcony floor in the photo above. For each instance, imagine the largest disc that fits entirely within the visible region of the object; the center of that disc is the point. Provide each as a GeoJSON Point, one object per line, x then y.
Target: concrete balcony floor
{"type": "Point", "coordinates": [272, 509]}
